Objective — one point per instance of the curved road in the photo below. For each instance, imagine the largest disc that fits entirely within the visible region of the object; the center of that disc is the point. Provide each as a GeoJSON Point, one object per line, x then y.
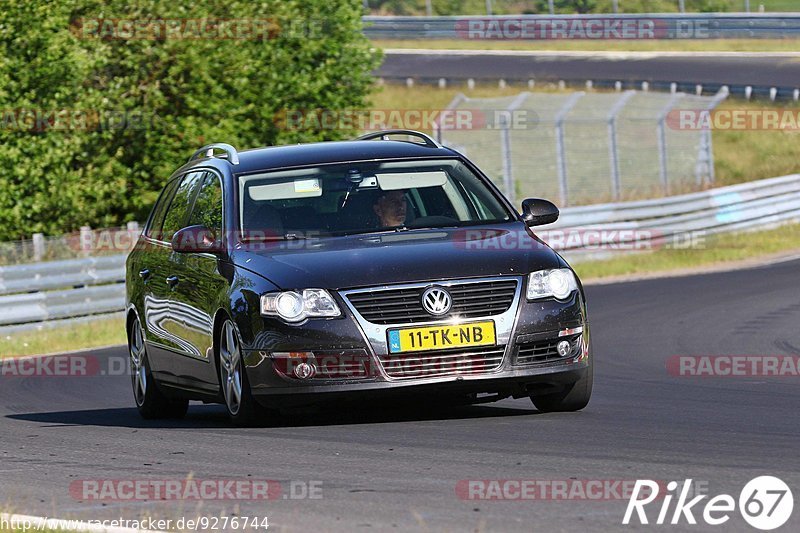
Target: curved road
{"type": "Point", "coordinates": [736, 69]}
{"type": "Point", "coordinates": [396, 468]}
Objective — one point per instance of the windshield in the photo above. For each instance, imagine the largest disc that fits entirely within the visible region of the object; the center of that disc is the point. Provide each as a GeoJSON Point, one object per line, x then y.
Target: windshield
{"type": "Point", "coordinates": [368, 197]}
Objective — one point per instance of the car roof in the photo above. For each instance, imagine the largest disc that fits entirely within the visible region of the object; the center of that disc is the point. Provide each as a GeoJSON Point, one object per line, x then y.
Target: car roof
{"type": "Point", "coordinates": [320, 153]}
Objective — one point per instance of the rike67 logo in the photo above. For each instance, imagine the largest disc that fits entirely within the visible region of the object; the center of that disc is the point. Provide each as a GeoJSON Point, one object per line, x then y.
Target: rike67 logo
{"type": "Point", "coordinates": [765, 502]}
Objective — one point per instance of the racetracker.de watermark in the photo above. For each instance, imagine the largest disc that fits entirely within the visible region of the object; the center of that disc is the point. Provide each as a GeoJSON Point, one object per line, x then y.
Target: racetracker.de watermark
{"type": "Point", "coordinates": [545, 489]}
{"type": "Point", "coordinates": [64, 366]}
{"type": "Point", "coordinates": [770, 119]}
{"type": "Point", "coordinates": [121, 490]}
{"type": "Point", "coordinates": [580, 28]}
{"type": "Point", "coordinates": [36, 120]}
{"type": "Point", "coordinates": [733, 366]}
{"type": "Point", "coordinates": [410, 119]}
{"type": "Point", "coordinates": [194, 29]}
{"type": "Point", "coordinates": [589, 239]}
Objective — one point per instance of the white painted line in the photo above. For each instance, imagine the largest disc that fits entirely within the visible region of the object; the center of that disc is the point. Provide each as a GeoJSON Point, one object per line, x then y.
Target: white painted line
{"type": "Point", "coordinates": [34, 523]}
{"type": "Point", "coordinates": [603, 54]}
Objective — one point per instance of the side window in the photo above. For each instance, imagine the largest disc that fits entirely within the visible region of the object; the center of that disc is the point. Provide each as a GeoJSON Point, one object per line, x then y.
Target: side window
{"type": "Point", "coordinates": [160, 209]}
{"type": "Point", "coordinates": [207, 208]}
{"type": "Point", "coordinates": [178, 211]}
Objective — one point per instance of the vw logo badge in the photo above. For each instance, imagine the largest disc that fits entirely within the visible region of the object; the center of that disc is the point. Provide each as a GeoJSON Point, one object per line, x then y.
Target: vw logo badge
{"type": "Point", "coordinates": [436, 301]}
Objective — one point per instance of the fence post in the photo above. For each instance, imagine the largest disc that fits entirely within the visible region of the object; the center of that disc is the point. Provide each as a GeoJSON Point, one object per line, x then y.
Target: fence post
{"type": "Point", "coordinates": [706, 152]}
{"type": "Point", "coordinates": [447, 114]}
{"type": "Point", "coordinates": [505, 154]}
{"type": "Point", "coordinates": [663, 170]}
{"type": "Point", "coordinates": [86, 240]}
{"type": "Point", "coordinates": [506, 121]}
{"type": "Point", "coordinates": [38, 247]}
{"type": "Point", "coordinates": [561, 158]}
{"type": "Point", "coordinates": [616, 182]}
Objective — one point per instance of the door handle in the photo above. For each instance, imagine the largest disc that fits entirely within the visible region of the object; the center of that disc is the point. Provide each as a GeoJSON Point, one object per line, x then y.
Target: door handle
{"type": "Point", "coordinates": [144, 274]}
{"type": "Point", "coordinates": [172, 281]}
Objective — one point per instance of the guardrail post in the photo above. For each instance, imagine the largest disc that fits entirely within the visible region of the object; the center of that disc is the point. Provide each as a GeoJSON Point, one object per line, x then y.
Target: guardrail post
{"type": "Point", "coordinates": [561, 158]}
{"type": "Point", "coordinates": [613, 150]}
{"type": "Point", "coordinates": [38, 247]}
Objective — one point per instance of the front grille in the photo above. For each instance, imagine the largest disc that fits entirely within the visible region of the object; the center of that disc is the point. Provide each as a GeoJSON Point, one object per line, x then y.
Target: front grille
{"type": "Point", "coordinates": [545, 351]}
{"type": "Point", "coordinates": [401, 306]}
{"type": "Point", "coordinates": [443, 363]}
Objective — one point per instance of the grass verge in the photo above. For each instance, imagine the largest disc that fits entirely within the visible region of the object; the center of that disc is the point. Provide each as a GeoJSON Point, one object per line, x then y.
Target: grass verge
{"type": "Point", "coordinates": [716, 250]}
{"type": "Point", "coordinates": [663, 45]}
{"type": "Point", "coordinates": [103, 332]}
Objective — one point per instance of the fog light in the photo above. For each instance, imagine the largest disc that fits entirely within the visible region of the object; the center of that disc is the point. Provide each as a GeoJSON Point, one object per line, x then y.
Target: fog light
{"type": "Point", "coordinates": [563, 348]}
{"type": "Point", "coordinates": [304, 371]}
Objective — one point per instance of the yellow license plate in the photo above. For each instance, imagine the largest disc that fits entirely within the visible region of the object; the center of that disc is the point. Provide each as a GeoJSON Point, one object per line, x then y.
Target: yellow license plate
{"type": "Point", "coordinates": [441, 337]}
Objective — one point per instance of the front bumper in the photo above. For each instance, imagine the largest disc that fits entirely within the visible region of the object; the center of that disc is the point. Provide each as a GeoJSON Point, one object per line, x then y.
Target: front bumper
{"type": "Point", "coordinates": [532, 324]}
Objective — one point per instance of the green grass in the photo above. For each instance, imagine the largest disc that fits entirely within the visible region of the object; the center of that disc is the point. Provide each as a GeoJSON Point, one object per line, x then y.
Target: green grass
{"type": "Point", "coordinates": [103, 332]}
{"type": "Point", "coordinates": [717, 250]}
{"type": "Point", "coordinates": [663, 45]}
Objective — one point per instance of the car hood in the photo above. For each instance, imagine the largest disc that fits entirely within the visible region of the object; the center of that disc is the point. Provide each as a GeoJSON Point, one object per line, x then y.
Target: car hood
{"type": "Point", "coordinates": [397, 257]}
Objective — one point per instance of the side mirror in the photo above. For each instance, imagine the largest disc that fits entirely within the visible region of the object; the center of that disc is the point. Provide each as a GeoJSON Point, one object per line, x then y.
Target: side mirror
{"type": "Point", "coordinates": [196, 239]}
{"type": "Point", "coordinates": [536, 212]}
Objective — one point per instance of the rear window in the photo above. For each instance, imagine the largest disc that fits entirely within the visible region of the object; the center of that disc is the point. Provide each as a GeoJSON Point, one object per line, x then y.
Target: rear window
{"type": "Point", "coordinates": [365, 197]}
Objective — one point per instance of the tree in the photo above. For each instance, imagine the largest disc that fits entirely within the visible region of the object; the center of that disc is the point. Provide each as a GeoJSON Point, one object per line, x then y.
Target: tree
{"type": "Point", "coordinates": [100, 103]}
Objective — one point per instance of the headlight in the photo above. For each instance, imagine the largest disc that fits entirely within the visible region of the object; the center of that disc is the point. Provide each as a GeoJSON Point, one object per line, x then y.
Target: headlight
{"type": "Point", "coordinates": [557, 283]}
{"type": "Point", "coordinates": [295, 306]}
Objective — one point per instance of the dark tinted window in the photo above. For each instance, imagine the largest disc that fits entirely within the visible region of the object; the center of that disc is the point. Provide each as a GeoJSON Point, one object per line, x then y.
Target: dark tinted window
{"type": "Point", "coordinates": [207, 208]}
{"type": "Point", "coordinates": [178, 211]}
{"type": "Point", "coordinates": [363, 197]}
{"type": "Point", "coordinates": [160, 209]}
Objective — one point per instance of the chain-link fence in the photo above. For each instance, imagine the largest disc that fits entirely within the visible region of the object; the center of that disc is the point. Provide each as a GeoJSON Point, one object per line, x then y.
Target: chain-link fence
{"type": "Point", "coordinates": [87, 242]}
{"type": "Point", "coordinates": [582, 148]}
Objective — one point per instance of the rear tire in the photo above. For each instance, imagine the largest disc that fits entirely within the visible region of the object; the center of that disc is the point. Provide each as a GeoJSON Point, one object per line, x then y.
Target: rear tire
{"type": "Point", "coordinates": [243, 409]}
{"type": "Point", "coordinates": [150, 401]}
{"type": "Point", "coordinates": [573, 398]}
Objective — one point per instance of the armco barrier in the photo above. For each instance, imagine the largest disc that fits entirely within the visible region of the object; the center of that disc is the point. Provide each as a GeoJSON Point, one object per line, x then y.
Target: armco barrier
{"type": "Point", "coordinates": [668, 25]}
{"type": "Point", "coordinates": [36, 293]}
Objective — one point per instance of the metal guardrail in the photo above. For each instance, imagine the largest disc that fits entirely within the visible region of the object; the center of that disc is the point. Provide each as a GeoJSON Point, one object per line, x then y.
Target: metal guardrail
{"type": "Point", "coordinates": [674, 221]}
{"type": "Point", "coordinates": [665, 25]}
{"type": "Point", "coordinates": [31, 295]}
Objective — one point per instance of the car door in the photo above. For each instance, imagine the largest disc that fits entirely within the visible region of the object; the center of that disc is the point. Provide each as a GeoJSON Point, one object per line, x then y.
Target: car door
{"type": "Point", "coordinates": [161, 322]}
{"type": "Point", "coordinates": [193, 299]}
{"type": "Point", "coordinates": [149, 265]}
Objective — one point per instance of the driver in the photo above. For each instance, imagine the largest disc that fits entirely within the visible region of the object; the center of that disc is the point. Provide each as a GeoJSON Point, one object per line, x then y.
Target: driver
{"type": "Point", "coordinates": [391, 208]}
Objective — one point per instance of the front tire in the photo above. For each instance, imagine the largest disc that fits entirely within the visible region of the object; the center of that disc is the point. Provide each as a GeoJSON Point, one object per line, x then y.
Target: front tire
{"type": "Point", "coordinates": [150, 401]}
{"type": "Point", "coordinates": [573, 398]}
{"type": "Point", "coordinates": [243, 410]}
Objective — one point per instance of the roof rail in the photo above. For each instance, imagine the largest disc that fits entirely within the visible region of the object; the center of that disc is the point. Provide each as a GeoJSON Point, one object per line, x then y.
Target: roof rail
{"type": "Point", "coordinates": [384, 134]}
{"type": "Point", "coordinates": [230, 152]}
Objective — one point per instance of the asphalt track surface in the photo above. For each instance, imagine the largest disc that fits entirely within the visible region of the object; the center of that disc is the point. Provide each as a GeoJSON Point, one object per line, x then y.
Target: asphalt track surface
{"type": "Point", "coordinates": [396, 468]}
{"type": "Point", "coordinates": [735, 70]}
